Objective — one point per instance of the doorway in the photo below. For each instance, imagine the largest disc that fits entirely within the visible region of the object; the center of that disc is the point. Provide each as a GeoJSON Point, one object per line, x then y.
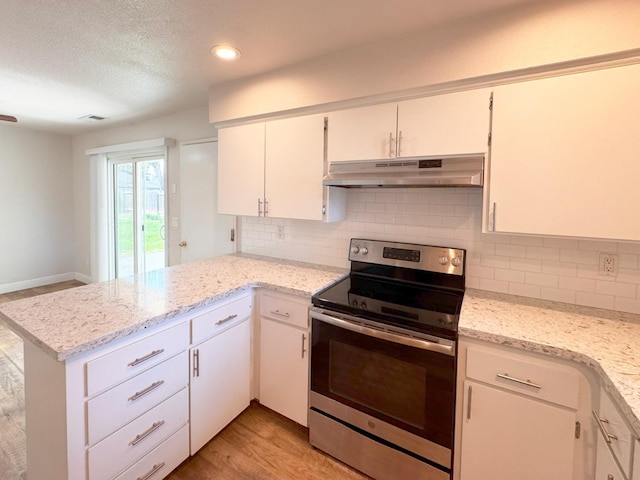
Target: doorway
{"type": "Point", "coordinates": [138, 207]}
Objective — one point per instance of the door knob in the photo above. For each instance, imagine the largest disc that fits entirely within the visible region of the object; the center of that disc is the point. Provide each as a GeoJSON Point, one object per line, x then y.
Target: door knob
{"type": "Point", "coordinates": [182, 244]}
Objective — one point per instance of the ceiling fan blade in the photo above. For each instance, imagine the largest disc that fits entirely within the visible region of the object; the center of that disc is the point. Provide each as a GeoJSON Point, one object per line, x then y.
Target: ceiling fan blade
{"type": "Point", "coordinates": [8, 118]}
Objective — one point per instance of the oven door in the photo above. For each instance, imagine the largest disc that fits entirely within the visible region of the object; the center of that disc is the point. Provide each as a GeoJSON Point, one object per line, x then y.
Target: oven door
{"type": "Point", "coordinates": [407, 383]}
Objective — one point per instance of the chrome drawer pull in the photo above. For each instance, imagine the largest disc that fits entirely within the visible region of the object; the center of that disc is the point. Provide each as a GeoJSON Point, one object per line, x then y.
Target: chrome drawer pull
{"type": "Point", "coordinates": [282, 314]}
{"type": "Point", "coordinates": [152, 472]}
{"type": "Point", "coordinates": [225, 320]}
{"type": "Point", "coordinates": [506, 376]}
{"type": "Point", "coordinates": [146, 433]}
{"type": "Point", "coordinates": [138, 361]}
{"type": "Point", "coordinates": [139, 394]}
{"type": "Point", "coordinates": [601, 421]}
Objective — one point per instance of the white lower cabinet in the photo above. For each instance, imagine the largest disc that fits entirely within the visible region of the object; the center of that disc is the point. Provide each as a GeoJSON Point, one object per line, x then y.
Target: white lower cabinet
{"type": "Point", "coordinates": [606, 466]}
{"type": "Point", "coordinates": [161, 460]}
{"type": "Point", "coordinates": [615, 441]}
{"type": "Point", "coordinates": [284, 356]}
{"type": "Point", "coordinates": [220, 381]}
{"type": "Point", "coordinates": [521, 417]}
{"type": "Point", "coordinates": [508, 436]}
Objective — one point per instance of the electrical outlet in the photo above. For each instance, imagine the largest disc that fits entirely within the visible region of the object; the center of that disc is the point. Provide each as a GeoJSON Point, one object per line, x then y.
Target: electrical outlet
{"type": "Point", "coordinates": [280, 232]}
{"type": "Point", "coordinates": [608, 264]}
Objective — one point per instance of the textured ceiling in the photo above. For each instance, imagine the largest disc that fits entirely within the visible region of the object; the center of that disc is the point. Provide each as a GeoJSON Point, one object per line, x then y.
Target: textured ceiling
{"type": "Point", "coordinates": [129, 60]}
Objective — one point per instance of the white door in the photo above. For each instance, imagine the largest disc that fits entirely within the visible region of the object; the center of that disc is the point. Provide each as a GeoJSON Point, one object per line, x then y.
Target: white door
{"type": "Point", "coordinates": [203, 232]}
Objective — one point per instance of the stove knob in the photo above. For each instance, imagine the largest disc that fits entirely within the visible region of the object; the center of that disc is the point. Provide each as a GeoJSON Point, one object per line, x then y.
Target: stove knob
{"type": "Point", "coordinates": [354, 303]}
{"type": "Point", "coordinates": [355, 250]}
{"type": "Point", "coordinates": [455, 261]}
{"type": "Point", "coordinates": [364, 250]}
{"type": "Point", "coordinates": [363, 305]}
{"type": "Point", "coordinates": [443, 260]}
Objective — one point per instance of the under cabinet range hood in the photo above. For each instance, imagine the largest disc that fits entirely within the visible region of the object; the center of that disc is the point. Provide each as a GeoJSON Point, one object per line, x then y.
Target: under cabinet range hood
{"type": "Point", "coordinates": [452, 171]}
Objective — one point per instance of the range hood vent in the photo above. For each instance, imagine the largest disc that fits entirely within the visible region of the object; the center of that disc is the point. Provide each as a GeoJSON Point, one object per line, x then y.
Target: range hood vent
{"type": "Point", "coordinates": [451, 171]}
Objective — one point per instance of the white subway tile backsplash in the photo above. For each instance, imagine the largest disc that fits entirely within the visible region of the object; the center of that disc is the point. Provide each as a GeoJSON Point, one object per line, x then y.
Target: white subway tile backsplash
{"type": "Point", "coordinates": [524, 290]}
{"type": "Point", "coordinates": [616, 289]}
{"type": "Point", "coordinates": [559, 269]}
{"type": "Point", "coordinates": [595, 300]}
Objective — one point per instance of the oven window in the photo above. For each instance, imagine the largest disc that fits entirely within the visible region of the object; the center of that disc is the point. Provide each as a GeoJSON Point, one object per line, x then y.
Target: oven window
{"type": "Point", "coordinates": [410, 388]}
{"type": "Point", "coordinates": [387, 385]}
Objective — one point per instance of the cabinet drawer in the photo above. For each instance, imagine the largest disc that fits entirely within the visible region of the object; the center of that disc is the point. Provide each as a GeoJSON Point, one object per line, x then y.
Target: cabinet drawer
{"type": "Point", "coordinates": [284, 310]}
{"type": "Point", "coordinates": [135, 358]}
{"type": "Point", "coordinates": [116, 407]}
{"type": "Point", "coordinates": [161, 460]}
{"type": "Point", "coordinates": [611, 423]}
{"type": "Point", "coordinates": [220, 317]}
{"type": "Point", "coordinates": [534, 377]}
{"type": "Point", "coordinates": [139, 437]}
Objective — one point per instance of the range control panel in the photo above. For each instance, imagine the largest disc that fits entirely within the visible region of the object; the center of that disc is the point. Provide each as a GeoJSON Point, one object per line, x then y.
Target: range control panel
{"type": "Point", "coordinates": [421, 257]}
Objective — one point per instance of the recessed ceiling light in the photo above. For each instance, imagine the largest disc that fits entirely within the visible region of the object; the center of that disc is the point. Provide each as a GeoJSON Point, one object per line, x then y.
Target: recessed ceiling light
{"type": "Point", "coordinates": [225, 52]}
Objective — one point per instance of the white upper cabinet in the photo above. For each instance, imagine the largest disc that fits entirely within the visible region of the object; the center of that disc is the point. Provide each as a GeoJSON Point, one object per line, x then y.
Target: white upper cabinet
{"type": "Point", "coordinates": [451, 124]}
{"type": "Point", "coordinates": [565, 156]}
{"type": "Point", "coordinates": [363, 133]}
{"type": "Point", "coordinates": [294, 168]}
{"type": "Point", "coordinates": [275, 169]}
{"type": "Point", "coordinates": [241, 169]}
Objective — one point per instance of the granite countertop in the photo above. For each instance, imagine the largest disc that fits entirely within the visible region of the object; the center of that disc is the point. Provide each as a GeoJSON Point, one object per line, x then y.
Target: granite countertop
{"type": "Point", "coordinates": [66, 323]}
{"type": "Point", "coordinates": [606, 341]}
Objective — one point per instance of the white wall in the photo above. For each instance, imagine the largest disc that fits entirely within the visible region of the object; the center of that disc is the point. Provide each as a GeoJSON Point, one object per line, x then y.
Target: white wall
{"type": "Point", "coordinates": [183, 126]}
{"type": "Point", "coordinates": [557, 269]}
{"type": "Point", "coordinates": [36, 208]}
{"type": "Point", "coordinates": [522, 37]}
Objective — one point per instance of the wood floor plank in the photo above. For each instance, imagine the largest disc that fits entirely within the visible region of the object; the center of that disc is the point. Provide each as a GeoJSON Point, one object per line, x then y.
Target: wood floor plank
{"type": "Point", "coordinates": [262, 445]}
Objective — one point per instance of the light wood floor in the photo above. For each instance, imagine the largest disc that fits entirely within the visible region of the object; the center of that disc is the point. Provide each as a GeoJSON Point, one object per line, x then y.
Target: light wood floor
{"type": "Point", "coordinates": [258, 445]}
{"type": "Point", "coordinates": [262, 445]}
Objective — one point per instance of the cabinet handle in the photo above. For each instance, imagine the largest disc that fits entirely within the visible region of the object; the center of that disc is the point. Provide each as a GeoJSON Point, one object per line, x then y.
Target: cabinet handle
{"type": "Point", "coordinates": [151, 472]}
{"type": "Point", "coordinates": [601, 421]}
{"type": "Point", "coordinates": [399, 144]}
{"type": "Point", "coordinates": [138, 361]}
{"type": "Point", "coordinates": [527, 383]}
{"type": "Point", "coordinates": [259, 207]}
{"type": "Point", "coordinates": [266, 207]}
{"type": "Point", "coordinates": [304, 337]}
{"type": "Point", "coordinates": [469, 403]}
{"type": "Point", "coordinates": [225, 320]}
{"type": "Point", "coordinates": [196, 362]}
{"type": "Point", "coordinates": [391, 144]}
{"type": "Point", "coordinates": [493, 218]}
{"type": "Point", "coordinates": [146, 433]}
{"type": "Point", "coordinates": [282, 314]}
{"type": "Point", "coordinates": [141, 393]}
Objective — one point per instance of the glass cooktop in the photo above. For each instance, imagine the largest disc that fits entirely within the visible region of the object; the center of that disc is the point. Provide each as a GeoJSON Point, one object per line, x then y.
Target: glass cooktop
{"type": "Point", "coordinates": [421, 308]}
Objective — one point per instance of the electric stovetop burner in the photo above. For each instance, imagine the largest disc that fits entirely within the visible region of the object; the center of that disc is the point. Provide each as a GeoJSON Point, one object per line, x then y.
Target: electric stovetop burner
{"type": "Point", "coordinates": [414, 287]}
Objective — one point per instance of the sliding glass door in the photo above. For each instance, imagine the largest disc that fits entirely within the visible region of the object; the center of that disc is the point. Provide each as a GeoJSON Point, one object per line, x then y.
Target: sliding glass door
{"type": "Point", "coordinates": [138, 209]}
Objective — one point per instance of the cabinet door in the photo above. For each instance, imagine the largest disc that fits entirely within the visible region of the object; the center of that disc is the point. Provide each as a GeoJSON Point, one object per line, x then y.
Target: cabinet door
{"type": "Point", "coordinates": [294, 167]}
{"type": "Point", "coordinates": [456, 123]}
{"type": "Point", "coordinates": [564, 155]}
{"type": "Point", "coordinates": [606, 466]}
{"type": "Point", "coordinates": [508, 436]}
{"type": "Point", "coordinates": [241, 169]}
{"type": "Point", "coordinates": [220, 382]}
{"type": "Point", "coordinates": [284, 369]}
{"type": "Point", "coordinates": [365, 133]}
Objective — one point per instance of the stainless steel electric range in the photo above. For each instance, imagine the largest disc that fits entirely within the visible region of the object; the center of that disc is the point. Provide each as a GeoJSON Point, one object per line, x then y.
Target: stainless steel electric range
{"type": "Point", "coordinates": [383, 360]}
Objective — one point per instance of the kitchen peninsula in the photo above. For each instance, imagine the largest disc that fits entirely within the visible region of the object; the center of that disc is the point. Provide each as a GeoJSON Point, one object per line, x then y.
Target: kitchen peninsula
{"type": "Point", "coordinates": [66, 331]}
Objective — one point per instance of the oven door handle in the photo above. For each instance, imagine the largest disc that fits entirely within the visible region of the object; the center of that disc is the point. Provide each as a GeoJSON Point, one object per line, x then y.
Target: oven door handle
{"type": "Point", "coordinates": [384, 335]}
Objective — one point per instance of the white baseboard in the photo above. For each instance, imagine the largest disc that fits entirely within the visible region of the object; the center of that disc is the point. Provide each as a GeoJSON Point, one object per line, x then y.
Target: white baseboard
{"type": "Point", "coordinates": [83, 278]}
{"type": "Point", "coordinates": [39, 282]}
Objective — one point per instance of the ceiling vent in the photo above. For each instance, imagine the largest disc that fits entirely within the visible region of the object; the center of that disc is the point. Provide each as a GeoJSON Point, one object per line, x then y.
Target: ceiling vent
{"type": "Point", "coordinates": [92, 118]}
